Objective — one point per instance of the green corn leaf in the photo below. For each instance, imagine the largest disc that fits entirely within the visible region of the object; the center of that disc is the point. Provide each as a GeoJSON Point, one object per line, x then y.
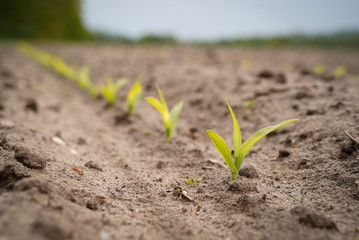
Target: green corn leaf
{"type": "Point", "coordinates": [110, 91]}
{"type": "Point", "coordinates": [258, 135]}
{"type": "Point", "coordinates": [175, 113]}
{"type": "Point", "coordinates": [134, 95]}
{"type": "Point", "coordinates": [161, 96]}
{"type": "Point", "coordinates": [166, 117]}
{"type": "Point", "coordinates": [223, 149]}
{"type": "Point", "coordinates": [93, 89]}
{"type": "Point", "coordinates": [237, 138]}
{"type": "Point", "coordinates": [170, 119]}
{"type": "Point", "coordinates": [83, 78]}
{"type": "Point", "coordinates": [120, 83]}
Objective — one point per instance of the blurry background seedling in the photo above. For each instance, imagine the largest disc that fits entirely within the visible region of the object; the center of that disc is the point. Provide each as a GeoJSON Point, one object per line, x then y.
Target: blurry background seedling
{"type": "Point", "coordinates": [191, 180]}
{"type": "Point", "coordinates": [94, 90]}
{"type": "Point", "coordinates": [110, 90]}
{"type": "Point", "coordinates": [134, 96]}
{"type": "Point", "coordinates": [170, 119]}
{"type": "Point", "coordinates": [340, 71]}
{"type": "Point", "coordinates": [147, 132]}
{"type": "Point", "coordinates": [240, 151]}
{"type": "Point", "coordinates": [319, 69]}
{"type": "Point", "coordinates": [83, 78]}
{"type": "Point", "coordinates": [249, 103]}
{"type": "Point", "coordinates": [246, 64]}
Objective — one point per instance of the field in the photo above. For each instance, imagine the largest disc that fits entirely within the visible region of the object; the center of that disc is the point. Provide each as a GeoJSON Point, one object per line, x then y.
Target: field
{"type": "Point", "coordinates": [117, 178]}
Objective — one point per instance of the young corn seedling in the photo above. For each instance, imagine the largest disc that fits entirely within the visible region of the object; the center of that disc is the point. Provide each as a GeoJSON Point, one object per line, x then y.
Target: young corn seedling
{"type": "Point", "coordinates": [191, 180]}
{"type": "Point", "coordinates": [110, 91]}
{"type": "Point", "coordinates": [134, 96]}
{"type": "Point", "coordinates": [240, 150]}
{"type": "Point", "coordinates": [319, 69]}
{"type": "Point", "coordinates": [170, 119]}
{"type": "Point", "coordinates": [340, 71]}
{"type": "Point", "coordinates": [83, 78]}
{"type": "Point", "coordinates": [94, 90]}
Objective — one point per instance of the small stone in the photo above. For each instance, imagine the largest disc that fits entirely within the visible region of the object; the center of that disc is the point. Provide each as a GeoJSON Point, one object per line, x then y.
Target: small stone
{"type": "Point", "coordinates": [74, 152]}
{"type": "Point", "coordinates": [265, 74]}
{"type": "Point", "coordinates": [201, 116]}
{"type": "Point", "coordinates": [6, 124]}
{"type": "Point", "coordinates": [248, 171]}
{"type": "Point", "coordinates": [58, 140]}
{"type": "Point", "coordinates": [214, 161]}
{"type": "Point", "coordinates": [104, 235]}
{"type": "Point", "coordinates": [81, 141]}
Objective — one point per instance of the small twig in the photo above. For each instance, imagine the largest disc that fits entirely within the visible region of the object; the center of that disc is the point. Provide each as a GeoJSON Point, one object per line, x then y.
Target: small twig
{"type": "Point", "coordinates": [351, 138]}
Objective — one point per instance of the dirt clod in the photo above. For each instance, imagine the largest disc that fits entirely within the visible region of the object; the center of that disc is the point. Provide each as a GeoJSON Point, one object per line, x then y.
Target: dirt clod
{"type": "Point", "coordinates": [50, 230]}
{"type": "Point", "coordinates": [313, 219]}
{"type": "Point", "coordinates": [280, 78]}
{"type": "Point", "coordinates": [32, 183]}
{"type": "Point", "coordinates": [31, 105]}
{"type": "Point", "coordinates": [248, 170]}
{"type": "Point", "coordinates": [242, 187]}
{"type": "Point", "coordinates": [265, 74]}
{"type": "Point", "coordinates": [31, 158]}
{"type": "Point", "coordinates": [81, 141]}
{"type": "Point", "coordinates": [10, 174]}
{"type": "Point", "coordinates": [283, 153]}
{"type": "Point", "coordinates": [93, 165]}
{"type": "Point", "coordinates": [160, 164]}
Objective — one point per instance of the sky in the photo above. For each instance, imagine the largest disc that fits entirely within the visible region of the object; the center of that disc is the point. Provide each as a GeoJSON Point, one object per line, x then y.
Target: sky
{"type": "Point", "coordinates": [220, 19]}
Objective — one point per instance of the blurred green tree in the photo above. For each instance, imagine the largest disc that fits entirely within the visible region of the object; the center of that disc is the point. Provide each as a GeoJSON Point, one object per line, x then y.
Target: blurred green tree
{"type": "Point", "coordinates": [41, 19]}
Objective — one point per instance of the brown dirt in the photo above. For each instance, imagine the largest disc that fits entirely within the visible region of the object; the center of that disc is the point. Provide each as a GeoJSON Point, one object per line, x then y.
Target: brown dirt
{"type": "Point", "coordinates": [114, 180]}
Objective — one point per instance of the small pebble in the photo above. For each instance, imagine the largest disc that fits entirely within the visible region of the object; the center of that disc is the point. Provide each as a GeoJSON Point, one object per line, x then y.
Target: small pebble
{"type": "Point", "coordinates": [58, 140]}
{"type": "Point", "coordinates": [79, 172]}
{"type": "Point", "coordinates": [104, 235]}
{"type": "Point", "coordinates": [6, 124]}
{"type": "Point", "coordinates": [211, 160]}
{"type": "Point", "coordinates": [201, 116]}
{"type": "Point", "coordinates": [74, 152]}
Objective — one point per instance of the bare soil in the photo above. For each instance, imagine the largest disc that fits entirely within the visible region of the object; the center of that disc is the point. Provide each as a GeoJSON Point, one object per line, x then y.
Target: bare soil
{"type": "Point", "coordinates": [116, 179]}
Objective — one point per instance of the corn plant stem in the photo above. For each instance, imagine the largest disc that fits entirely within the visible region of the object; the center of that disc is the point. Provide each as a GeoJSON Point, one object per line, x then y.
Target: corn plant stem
{"type": "Point", "coordinates": [168, 137]}
{"type": "Point", "coordinates": [234, 175]}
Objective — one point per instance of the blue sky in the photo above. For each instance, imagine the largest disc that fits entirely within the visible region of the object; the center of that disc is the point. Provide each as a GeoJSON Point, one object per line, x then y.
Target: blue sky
{"type": "Point", "coordinates": [217, 19]}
